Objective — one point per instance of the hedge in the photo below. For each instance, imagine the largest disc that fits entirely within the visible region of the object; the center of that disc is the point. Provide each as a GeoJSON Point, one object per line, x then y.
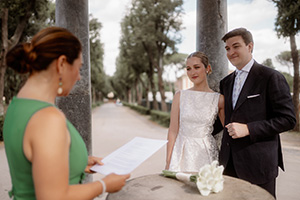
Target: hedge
{"type": "Point", "coordinates": [163, 118]}
{"type": "Point", "coordinates": [96, 104]}
{"type": "Point", "coordinates": [141, 109]}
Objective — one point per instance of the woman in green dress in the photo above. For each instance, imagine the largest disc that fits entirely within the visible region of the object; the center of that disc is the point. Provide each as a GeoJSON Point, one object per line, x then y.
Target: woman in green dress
{"type": "Point", "coordinates": [46, 155]}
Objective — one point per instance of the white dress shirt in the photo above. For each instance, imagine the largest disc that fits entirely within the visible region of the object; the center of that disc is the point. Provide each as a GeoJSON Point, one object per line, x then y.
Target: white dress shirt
{"type": "Point", "coordinates": [240, 78]}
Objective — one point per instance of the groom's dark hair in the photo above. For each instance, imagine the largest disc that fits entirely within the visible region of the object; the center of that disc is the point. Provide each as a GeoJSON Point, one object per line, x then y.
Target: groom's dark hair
{"type": "Point", "coordinates": [244, 33]}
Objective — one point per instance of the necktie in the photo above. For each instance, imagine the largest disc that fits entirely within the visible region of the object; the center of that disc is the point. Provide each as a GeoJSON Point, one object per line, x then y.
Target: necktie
{"type": "Point", "coordinates": [237, 87]}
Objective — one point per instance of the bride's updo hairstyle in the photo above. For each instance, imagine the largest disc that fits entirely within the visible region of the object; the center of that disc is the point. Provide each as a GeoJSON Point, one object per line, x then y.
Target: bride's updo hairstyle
{"type": "Point", "coordinates": [204, 59]}
{"type": "Point", "coordinates": [46, 46]}
{"type": "Point", "coordinates": [200, 55]}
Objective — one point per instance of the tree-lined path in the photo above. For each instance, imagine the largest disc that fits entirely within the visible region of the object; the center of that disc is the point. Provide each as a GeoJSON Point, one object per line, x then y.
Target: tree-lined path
{"type": "Point", "coordinates": [113, 126]}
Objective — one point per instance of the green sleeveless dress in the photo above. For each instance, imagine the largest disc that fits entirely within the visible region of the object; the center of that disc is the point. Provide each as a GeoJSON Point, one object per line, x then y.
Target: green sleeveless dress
{"type": "Point", "coordinates": [17, 116]}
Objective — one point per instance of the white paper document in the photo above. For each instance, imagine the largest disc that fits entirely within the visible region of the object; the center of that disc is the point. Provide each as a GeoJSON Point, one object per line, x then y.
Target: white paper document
{"type": "Point", "coordinates": [128, 157]}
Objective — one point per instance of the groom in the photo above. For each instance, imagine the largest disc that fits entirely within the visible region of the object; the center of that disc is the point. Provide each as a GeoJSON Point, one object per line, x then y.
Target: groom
{"type": "Point", "coordinates": [258, 106]}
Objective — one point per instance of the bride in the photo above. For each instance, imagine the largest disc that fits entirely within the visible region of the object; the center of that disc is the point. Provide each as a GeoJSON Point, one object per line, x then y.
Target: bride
{"type": "Point", "coordinates": [190, 141]}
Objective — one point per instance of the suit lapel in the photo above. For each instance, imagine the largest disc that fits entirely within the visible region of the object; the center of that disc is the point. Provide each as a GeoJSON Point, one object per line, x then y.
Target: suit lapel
{"type": "Point", "coordinates": [251, 81]}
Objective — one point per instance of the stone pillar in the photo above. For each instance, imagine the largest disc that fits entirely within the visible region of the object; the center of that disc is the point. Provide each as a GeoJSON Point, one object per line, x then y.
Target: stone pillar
{"type": "Point", "coordinates": [74, 16]}
{"type": "Point", "coordinates": [211, 26]}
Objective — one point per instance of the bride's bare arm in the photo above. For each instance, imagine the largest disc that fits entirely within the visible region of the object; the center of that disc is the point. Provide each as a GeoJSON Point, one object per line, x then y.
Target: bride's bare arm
{"type": "Point", "coordinates": [173, 128]}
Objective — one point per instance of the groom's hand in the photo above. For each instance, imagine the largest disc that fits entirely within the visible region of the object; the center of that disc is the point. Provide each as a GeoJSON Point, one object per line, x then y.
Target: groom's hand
{"type": "Point", "coordinates": [237, 130]}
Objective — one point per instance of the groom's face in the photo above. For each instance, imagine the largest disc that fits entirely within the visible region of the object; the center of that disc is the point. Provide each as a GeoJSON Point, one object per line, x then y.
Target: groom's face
{"type": "Point", "coordinates": [238, 53]}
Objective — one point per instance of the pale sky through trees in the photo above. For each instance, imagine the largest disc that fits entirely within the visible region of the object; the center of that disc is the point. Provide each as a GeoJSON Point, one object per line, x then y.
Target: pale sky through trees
{"type": "Point", "coordinates": [258, 16]}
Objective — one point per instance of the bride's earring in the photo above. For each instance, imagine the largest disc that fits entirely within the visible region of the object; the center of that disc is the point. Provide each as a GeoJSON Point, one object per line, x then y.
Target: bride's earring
{"type": "Point", "coordinates": [60, 90]}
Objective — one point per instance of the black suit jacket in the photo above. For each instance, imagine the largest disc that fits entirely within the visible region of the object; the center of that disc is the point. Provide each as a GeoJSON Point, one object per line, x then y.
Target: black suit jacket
{"type": "Point", "coordinates": [265, 105]}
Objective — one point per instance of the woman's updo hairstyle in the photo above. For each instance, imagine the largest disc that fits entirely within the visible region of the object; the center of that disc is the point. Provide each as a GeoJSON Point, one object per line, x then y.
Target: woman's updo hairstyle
{"type": "Point", "coordinates": [202, 56]}
{"type": "Point", "coordinates": [46, 46]}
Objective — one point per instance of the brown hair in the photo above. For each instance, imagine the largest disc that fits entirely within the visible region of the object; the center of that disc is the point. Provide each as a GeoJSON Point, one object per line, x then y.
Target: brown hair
{"type": "Point", "coordinates": [46, 46]}
{"type": "Point", "coordinates": [201, 55]}
{"type": "Point", "coordinates": [244, 33]}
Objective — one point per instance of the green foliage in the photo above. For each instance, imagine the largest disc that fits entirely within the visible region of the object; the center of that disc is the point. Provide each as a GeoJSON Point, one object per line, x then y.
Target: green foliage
{"type": "Point", "coordinates": [288, 25]}
{"type": "Point", "coordinates": [122, 81]}
{"type": "Point", "coordinates": [289, 80]}
{"type": "Point", "coordinates": [98, 76]}
{"type": "Point", "coordinates": [163, 118]}
{"type": "Point", "coordinates": [43, 15]}
{"type": "Point", "coordinates": [268, 62]}
{"type": "Point", "coordinates": [288, 17]}
{"type": "Point", "coordinates": [285, 58]}
{"type": "Point", "coordinates": [173, 63]}
{"type": "Point", "coordinates": [12, 84]}
{"type": "Point", "coordinates": [131, 62]}
{"type": "Point", "coordinates": [149, 32]}
{"type": "Point", "coordinates": [176, 59]}
{"type": "Point", "coordinates": [156, 23]}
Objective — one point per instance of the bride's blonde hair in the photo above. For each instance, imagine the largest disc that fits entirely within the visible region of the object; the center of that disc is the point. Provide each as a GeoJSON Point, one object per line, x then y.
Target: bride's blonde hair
{"type": "Point", "coordinates": [203, 58]}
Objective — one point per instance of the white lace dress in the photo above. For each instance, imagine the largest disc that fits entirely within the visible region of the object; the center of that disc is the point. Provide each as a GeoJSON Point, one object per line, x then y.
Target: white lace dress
{"type": "Point", "coordinates": [195, 146]}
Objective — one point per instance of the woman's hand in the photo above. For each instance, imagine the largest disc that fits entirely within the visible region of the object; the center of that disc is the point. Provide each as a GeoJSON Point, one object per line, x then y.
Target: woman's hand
{"type": "Point", "coordinates": [115, 182]}
{"type": "Point", "coordinates": [91, 162]}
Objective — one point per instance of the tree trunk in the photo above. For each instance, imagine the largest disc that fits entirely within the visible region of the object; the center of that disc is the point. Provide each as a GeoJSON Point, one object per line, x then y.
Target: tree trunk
{"type": "Point", "coordinates": [139, 93]}
{"type": "Point", "coordinates": [133, 95]}
{"type": "Point", "coordinates": [126, 96]}
{"type": "Point", "coordinates": [2, 72]}
{"type": "Point", "coordinates": [153, 90]}
{"type": "Point", "coordinates": [295, 58]}
{"type": "Point", "coordinates": [4, 37]}
{"type": "Point", "coordinates": [99, 96]}
{"type": "Point", "coordinates": [147, 98]}
{"type": "Point", "coordinates": [138, 96]}
{"type": "Point", "coordinates": [146, 87]}
{"type": "Point", "coordinates": [150, 74]}
{"type": "Point", "coordinates": [161, 87]}
{"type": "Point", "coordinates": [94, 95]}
{"type": "Point", "coordinates": [129, 96]}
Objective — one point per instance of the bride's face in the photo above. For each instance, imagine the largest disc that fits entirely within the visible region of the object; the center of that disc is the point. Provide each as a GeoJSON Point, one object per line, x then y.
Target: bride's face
{"type": "Point", "coordinates": [196, 70]}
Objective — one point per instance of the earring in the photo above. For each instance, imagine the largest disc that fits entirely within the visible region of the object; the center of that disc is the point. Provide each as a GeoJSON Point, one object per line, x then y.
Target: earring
{"type": "Point", "coordinates": [60, 90]}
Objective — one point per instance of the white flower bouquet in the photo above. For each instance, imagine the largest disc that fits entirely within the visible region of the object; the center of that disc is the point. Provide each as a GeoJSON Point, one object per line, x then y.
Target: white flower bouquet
{"type": "Point", "coordinates": [209, 178]}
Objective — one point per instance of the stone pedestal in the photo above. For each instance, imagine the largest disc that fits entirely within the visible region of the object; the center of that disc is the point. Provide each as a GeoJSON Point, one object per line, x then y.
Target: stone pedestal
{"type": "Point", "coordinates": [154, 187]}
{"type": "Point", "coordinates": [74, 16]}
{"type": "Point", "coordinates": [211, 27]}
